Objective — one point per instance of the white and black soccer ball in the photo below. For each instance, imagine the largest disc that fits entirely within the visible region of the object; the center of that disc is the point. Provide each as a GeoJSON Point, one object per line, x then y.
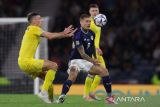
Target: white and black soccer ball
{"type": "Point", "coordinates": [100, 20]}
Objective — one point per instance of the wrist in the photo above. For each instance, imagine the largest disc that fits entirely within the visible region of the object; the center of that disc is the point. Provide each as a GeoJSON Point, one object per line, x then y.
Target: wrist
{"type": "Point", "coordinates": [93, 61]}
{"type": "Point", "coordinates": [62, 33]}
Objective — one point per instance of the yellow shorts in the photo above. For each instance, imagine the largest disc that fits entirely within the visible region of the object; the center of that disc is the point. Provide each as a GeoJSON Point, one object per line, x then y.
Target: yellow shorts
{"type": "Point", "coordinates": [32, 67]}
{"type": "Point", "coordinates": [101, 60]}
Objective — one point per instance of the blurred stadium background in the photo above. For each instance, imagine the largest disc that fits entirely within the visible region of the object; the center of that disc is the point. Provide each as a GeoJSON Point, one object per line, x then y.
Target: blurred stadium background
{"type": "Point", "coordinates": [130, 42]}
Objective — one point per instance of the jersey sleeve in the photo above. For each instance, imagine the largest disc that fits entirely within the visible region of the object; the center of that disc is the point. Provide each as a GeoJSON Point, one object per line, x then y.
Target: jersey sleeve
{"type": "Point", "coordinates": [97, 40]}
{"type": "Point", "coordinates": [97, 31]}
{"type": "Point", "coordinates": [37, 31]}
{"type": "Point", "coordinates": [77, 39]}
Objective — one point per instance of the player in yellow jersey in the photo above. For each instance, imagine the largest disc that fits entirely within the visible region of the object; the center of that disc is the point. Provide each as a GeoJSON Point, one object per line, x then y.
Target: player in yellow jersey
{"type": "Point", "coordinates": [43, 69]}
{"type": "Point", "coordinates": [92, 82]}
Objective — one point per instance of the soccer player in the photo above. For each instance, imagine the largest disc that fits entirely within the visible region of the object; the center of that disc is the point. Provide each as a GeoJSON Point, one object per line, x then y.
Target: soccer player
{"type": "Point", "coordinates": [43, 69]}
{"type": "Point", "coordinates": [81, 59]}
{"type": "Point", "coordinates": [92, 81]}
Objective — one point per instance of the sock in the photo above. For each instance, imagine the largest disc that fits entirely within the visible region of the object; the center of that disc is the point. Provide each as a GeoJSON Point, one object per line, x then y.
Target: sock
{"type": "Point", "coordinates": [66, 86]}
{"type": "Point", "coordinates": [87, 85]}
{"type": "Point", "coordinates": [107, 85]}
{"type": "Point", "coordinates": [96, 82]}
{"type": "Point", "coordinates": [51, 92]}
{"type": "Point", "coordinates": [48, 80]}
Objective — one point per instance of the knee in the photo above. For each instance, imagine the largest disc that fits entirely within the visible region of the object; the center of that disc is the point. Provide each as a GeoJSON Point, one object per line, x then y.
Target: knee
{"type": "Point", "coordinates": [73, 74]}
{"type": "Point", "coordinates": [104, 72]}
{"type": "Point", "coordinates": [73, 68]}
{"type": "Point", "coordinates": [54, 66]}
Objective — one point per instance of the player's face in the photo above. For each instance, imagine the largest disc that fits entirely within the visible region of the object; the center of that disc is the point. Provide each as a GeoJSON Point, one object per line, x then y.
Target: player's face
{"type": "Point", "coordinates": [94, 11]}
{"type": "Point", "coordinates": [37, 20]}
{"type": "Point", "coordinates": [85, 23]}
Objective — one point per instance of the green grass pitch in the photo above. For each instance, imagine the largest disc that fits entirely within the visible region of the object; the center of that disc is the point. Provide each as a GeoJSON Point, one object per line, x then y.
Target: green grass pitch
{"type": "Point", "coordinates": [24, 100]}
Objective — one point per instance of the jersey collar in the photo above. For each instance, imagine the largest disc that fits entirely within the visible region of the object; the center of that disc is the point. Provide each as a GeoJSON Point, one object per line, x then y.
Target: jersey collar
{"type": "Point", "coordinates": [85, 32]}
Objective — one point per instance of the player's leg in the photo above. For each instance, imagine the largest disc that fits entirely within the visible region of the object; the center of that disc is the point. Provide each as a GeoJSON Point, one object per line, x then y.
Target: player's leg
{"type": "Point", "coordinates": [40, 68]}
{"type": "Point", "coordinates": [92, 83]}
{"type": "Point", "coordinates": [104, 74]}
{"type": "Point", "coordinates": [73, 72]}
{"type": "Point", "coordinates": [50, 68]}
{"type": "Point", "coordinates": [88, 82]}
{"type": "Point", "coordinates": [50, 90]}
{"type": "Point", "coordinates": [71, 79]}
{"type": "Point", "coordinates": [95, 83]}
{"type": "Point", "coordinates": [96, 80]}
{"type": "Point", "coordinates": [74, 67]}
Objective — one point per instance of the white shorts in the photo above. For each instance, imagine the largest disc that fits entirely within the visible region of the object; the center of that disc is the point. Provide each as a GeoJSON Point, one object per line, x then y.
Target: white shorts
{"type": "Point", "coordinates": [80, 64]}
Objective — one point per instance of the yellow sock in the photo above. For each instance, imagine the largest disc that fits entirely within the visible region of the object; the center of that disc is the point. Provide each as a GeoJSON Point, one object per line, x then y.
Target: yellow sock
{"type": "Point", "coordinates": [87, 85]}
{"type": "Point", "coordinates": [95, 83]}
{"type": "Point", "coordinates": [51, 92]}
{"type": "Point", "coordinates": [48, 80]}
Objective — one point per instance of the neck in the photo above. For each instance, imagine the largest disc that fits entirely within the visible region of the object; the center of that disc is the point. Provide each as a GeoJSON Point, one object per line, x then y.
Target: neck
{"type": "Point", "coordinates": [33, 24]}
{"type": "Point", "coordinates": [84, 30]}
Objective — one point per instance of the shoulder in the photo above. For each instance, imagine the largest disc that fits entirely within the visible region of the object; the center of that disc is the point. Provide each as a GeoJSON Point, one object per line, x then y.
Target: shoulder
{"type": "Point", "coordinates": [91, 32]}
{"type": "Point", "coordinates": [78, 34]}
{"type": "Point", "coordinates": [34, 28]}
{"type": "Point", "coordinates": [92, 23]}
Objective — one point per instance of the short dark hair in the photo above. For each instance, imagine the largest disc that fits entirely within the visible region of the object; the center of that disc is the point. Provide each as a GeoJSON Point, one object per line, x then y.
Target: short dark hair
{"type": "Point", "coordinates": [93, 6]}
{"type": "Point", "coordinates": [31, 15]}
{"type": "Point", "coordinates": [84, 16]}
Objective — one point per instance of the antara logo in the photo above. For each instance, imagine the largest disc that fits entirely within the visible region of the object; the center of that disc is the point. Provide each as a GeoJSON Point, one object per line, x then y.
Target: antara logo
{"type": "Point", "coordinates": [130, 99]}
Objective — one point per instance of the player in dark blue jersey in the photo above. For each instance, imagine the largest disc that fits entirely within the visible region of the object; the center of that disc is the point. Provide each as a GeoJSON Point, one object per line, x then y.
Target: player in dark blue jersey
{"type": "Point", "coordinates": [85, 38]}
{"type": "Point", "coordinates": [81, 59]}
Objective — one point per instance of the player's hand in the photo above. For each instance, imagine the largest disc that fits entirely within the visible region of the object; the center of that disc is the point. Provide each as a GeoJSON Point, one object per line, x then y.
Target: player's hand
{"type": "Point", "coordinates": [69, 31]}
{"type": "Point", "coordinates": [99, 51]}
{"type": "Point", "coordinates": [96, 62]}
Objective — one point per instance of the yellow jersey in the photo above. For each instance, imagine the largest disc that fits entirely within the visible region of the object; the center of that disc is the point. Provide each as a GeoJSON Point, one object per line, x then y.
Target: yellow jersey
{"type": "Point", "coordinates": [30, 42]}
{"type": "Point", "coordinates": [97, 31]}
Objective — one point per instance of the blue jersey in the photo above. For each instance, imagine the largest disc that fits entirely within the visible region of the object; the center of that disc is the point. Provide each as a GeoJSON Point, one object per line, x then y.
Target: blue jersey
{"type": "Point", "coordinates": [82, 38]}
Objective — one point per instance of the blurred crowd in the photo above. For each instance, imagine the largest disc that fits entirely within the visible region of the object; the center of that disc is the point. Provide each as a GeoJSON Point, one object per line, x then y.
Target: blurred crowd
{"type": "Point", "coordinates": [13, 8]}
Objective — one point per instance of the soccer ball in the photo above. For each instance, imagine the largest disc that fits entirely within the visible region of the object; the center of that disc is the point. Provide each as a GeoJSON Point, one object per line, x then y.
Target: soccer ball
{"type": "Point", "coordinates": [100, 20]}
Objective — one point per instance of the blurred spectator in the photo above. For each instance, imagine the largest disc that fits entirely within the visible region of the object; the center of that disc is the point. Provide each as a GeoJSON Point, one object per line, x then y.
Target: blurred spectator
{"type": "Point", "coordinates": [13, 8]}
{"type": "Point", "coordinates": [156, 53]}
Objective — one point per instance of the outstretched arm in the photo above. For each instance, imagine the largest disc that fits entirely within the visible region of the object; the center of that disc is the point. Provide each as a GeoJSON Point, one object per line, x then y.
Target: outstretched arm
{"type": "Point", "coordinates": [68, 32]}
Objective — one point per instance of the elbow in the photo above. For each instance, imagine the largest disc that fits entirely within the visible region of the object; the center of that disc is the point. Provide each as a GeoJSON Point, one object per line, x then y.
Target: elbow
{"type": "Point", "coordinates": [47, 35]}
{"type": "Point", "coordinates": [50, 37]}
